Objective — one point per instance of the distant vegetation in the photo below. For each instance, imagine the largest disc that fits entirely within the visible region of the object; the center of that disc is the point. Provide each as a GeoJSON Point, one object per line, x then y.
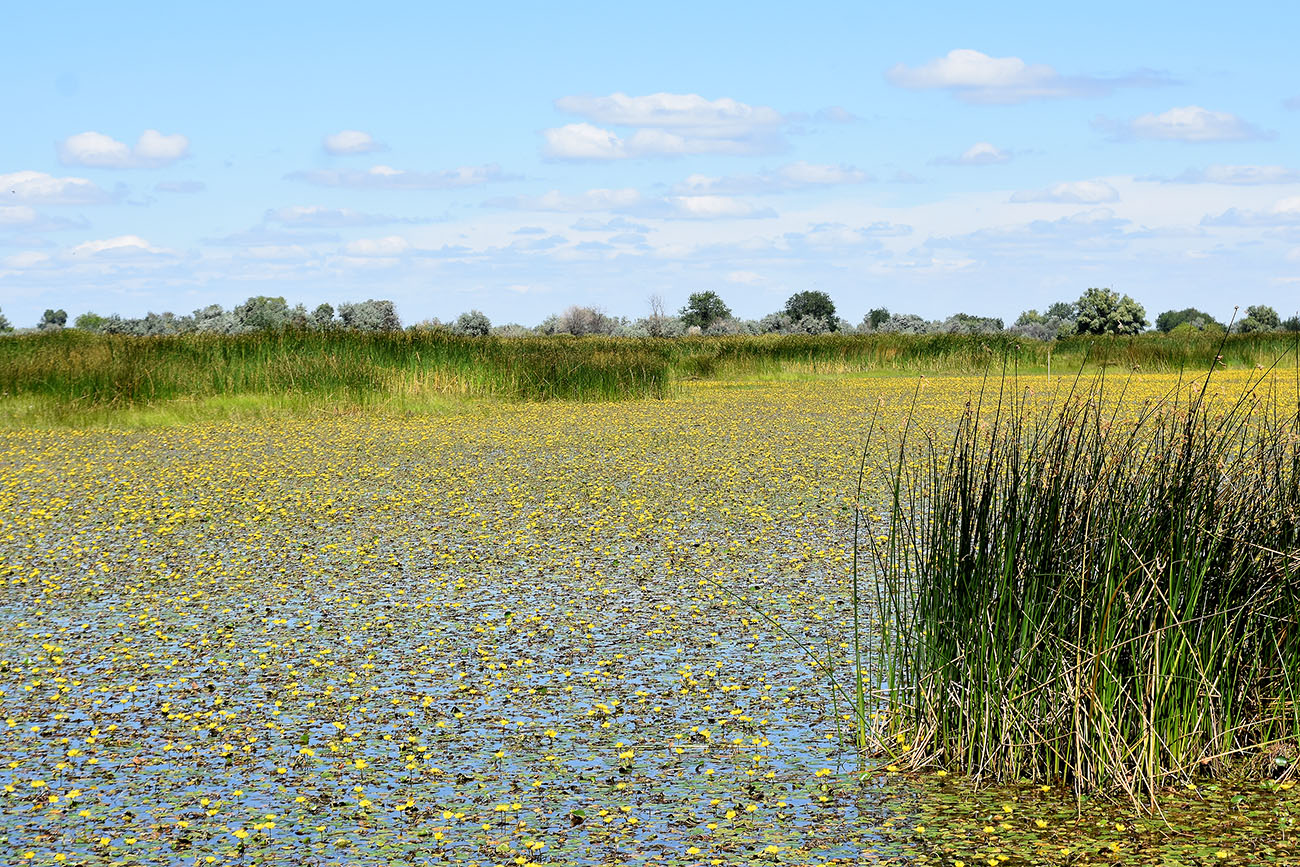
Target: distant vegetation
{"type": "Point", "coordinates": [1096, 311]}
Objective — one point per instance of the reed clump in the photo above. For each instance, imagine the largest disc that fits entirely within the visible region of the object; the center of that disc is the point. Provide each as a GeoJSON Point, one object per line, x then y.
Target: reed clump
{"type": "Point", "coordinates": [1072, 587]}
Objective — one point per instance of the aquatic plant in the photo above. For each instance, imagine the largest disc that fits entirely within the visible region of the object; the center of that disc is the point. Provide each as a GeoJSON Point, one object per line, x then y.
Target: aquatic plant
{"type": "Point", "coordinates": [1082, 586]}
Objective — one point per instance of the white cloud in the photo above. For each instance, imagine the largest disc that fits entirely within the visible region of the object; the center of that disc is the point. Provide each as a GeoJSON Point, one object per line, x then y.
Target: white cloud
{"type": "Point", "coordinates": [315, 216]}
{"type": "Point", "coordinates": [393, 245]}
{"type": "Point", "coordinates": [120, 246]}
{"type": "Point", "coordinates": [26, 259]}
{"type": "Point", "coordinates": [745, 278]}
{"type": "Point", "coordinates": [39, 188]}
{"type": "Point", "coordinates": [974, 76]}
{"type": "Point", "coordinates": [388, 178]}
{"type": "Point", "coordinates": [615, 224]}
{"type": "Point", "coordinates": [629, 200]}
{"type": "Point", "coordinates": [17, 215]}
{"type": "Point", "coordinates": [1098, 228]}
{"type": "Point", "coordinates": [690, 112]}
{"type": "Point", "coordinates": [1189, 123]}
{"type": "Point", "coordinates": [663, 125]}
{"type": "Point", "coordinates": [1284, 212]}
{"type": "Point", "coordinates": [978, 154]}
{"type": "Point", "coordinates": [836, 236]}
{"type": "Point", "coordinates": [1070, 192]}
{"type": "Point", "coordinates": [714, 208]}
{"type": "Point", "coordinates": [591, 200]}
{"type": "Point", "coordinates": [1234, 175]}
{"type": "Point", "coordinates": [582, 141]}
{"type": "Point", "coordinates": [793, 176]}
{"type": "Point", "coordinates": [180, 186]}
{"type": "Point", "coordinates": [352, 141]}
{"type": "Point", "coordinates": [152, 150]}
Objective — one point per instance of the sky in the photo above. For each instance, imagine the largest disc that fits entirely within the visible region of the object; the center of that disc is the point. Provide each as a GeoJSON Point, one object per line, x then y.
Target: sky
{"type": "Point", "coordinates": [518, 158]}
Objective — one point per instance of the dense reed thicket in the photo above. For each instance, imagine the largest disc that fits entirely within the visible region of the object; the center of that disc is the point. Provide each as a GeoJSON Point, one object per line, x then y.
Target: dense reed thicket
{"type": "Point", "coordinates": [94, 370]}
{"type": "Point", "coordinates": [1074, 587]}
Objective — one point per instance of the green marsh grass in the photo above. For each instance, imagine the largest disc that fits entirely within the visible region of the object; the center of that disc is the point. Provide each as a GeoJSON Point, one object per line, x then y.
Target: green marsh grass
{"type": "Point", "coordinates": [1073, 587]}
{"type": "Point", "coordinates": [71, 372]}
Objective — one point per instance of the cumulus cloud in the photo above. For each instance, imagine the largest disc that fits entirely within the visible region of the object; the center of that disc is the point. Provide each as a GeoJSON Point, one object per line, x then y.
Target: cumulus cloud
{"type": "Point", "coordinates": [978, 154]}
{"type": "Point", "coordinates": [352, 141]}
{"type": "Point", "coordinates": [1070, 192]}
{"type": "Point", "coordinates": [1096, 229]}
{"type": "Point", "coordinates": [38, 188]}
{"type": "Point", "coordinates": [1189, 123]}
{"type": "Point", "coordinates": [122, 246]}
{"type": "Point", "coordinates": [629, 200]}
{"type": "Point", "coordinates": [583, 141]}
{"type": "Point", "coordinates": [1285, 212]}
{"type": "Point", "coordinates": [663, 125]}
{"type": "Point", "coordinates": [793, 176]}
{"type": "Point", "coordinates": [973, 76]}
{"type": "Point", "coordinates": [393, 245]}
{"type": "Point", "coordinates": [262, 236]}
{"type": "Point", "coordinates": [151, 151]}
{"type": "Point", "coordinates": [27, 259]}
{"type": "Point", "coordinates": [713, 208]}
{"type": "Point", "coordinates": [317, 217]}
{"type": "Point", "coordinates": [591, 200]}
{"type": "Point", "coordinates": [718, 118]}
{"type": "Point", "coordinates": [186, 187]}
{"type": "Point", "coordinates": [17, 215]}
{"type": "Point", "coordinates": [1234, 175]}
{"type": "Point", "coordinates": [615, 224]}
{"type": "Point", "coordinates": [388, 178]}
{"type": "Point", "coordinates": [843, 236]}
{"type": "Point", "coordinates": [27, 219]}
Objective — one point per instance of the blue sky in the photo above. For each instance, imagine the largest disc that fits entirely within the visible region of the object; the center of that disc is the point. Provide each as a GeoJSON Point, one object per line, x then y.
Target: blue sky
{"type": "Point", "coordinates": [931, 158]}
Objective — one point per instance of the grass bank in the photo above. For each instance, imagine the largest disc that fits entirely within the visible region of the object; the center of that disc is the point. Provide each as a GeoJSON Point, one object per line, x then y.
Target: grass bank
{"type": "Point", "coordinates": [72, 374]}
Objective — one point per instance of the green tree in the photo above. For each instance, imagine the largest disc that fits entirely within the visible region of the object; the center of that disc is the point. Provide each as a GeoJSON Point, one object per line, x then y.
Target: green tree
{"type": "Point", "coordinates": [53, 320]}
{"type": "Point", "coordinates": [1063, 310]}
{"type": "Point", "coordinates": [703, 309]}
{"type": "Point", "coordinates": [1171, 319]}
{"type": "Point", "coordinates": [5, 325]}
{"type": "Point", "coordinates": [475, 323]}
{"type": "Point", "coordinates": [818, 305]}
{"type": "Point", "coordinates": [1259, 317]}
{"type": "Point", "coordinates": [878, 316]}
{"type": "Point", "coordinates": [1105, 311]}
{"type": "Point", "coordinates": [262, 313]}
{"type": "Point", "coordinates": [89, 322]}
{"type": "Point", "coordinates": [323, 317]}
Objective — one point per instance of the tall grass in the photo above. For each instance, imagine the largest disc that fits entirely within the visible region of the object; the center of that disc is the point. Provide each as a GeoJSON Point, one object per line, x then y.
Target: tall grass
{"type": "Point", "coordinates": [78, 370]}
{"type": "Point", "coordinates": [1084, 589]}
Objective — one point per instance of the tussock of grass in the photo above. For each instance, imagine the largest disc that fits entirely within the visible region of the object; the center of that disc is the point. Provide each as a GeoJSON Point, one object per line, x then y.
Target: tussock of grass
{"type": "Point", "coordinates": [1094, 591]}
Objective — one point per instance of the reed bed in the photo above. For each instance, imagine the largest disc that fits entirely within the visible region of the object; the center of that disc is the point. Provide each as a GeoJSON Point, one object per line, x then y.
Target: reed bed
{"type": "Point", "coordinates": [1072, 587]}
{"type": "Point", "coordinates": [80, 370]}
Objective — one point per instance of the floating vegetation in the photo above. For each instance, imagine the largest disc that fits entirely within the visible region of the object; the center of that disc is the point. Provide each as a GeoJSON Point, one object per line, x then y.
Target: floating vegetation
{"type": "Point", "coordinates": [488, 637]}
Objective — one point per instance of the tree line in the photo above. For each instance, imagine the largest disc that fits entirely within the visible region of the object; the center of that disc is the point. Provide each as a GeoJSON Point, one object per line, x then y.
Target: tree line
{"type": "Point", "coordinates": [1096, 311]}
